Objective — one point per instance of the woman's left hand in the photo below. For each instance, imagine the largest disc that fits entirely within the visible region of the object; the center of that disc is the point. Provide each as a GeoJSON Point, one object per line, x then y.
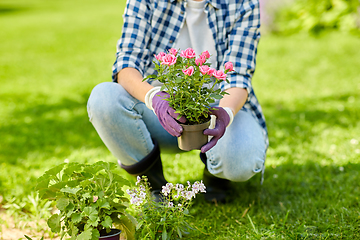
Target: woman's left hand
{"type": "Point", "coordinates": [222, 121]}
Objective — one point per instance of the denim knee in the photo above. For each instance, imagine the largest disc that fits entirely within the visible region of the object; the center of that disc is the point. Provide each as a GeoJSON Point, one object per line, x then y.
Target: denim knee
{"type": "Point", "coordinates": [100, 100]}
{"type": "Point", "coordinates": [244, 163]}
{"type": "Point", "coordinates": [244, 169]}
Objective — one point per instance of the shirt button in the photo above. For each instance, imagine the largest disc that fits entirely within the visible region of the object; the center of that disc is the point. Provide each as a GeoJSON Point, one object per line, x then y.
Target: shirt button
{"type": "Point", "coordinates": [171, 41]}
{"type": "Point", "coordinates": [182, 12]}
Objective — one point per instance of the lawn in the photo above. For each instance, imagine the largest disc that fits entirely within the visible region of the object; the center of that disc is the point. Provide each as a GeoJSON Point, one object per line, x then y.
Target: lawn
{"type": "Point", "coordinates": [52, 53]}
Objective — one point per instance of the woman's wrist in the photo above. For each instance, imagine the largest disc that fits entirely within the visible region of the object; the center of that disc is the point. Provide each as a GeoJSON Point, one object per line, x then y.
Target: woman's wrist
{"type": "Point", "coordinates": [230, 112]}
{"type": "Point", "coordinates": [149, 96]}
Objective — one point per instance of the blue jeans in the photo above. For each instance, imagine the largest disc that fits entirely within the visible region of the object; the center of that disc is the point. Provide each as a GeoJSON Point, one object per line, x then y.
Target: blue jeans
{"type": "Point", "coordinates": [127, 126]}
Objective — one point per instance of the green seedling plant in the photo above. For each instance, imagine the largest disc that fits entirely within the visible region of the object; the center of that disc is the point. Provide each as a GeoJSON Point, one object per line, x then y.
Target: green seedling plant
{"type": "Point", "coordinates": [190, 81]}
{"type": "Point", "coordinates": [89, 199]}
{"type": "Point", "coordinates": [166, 219]}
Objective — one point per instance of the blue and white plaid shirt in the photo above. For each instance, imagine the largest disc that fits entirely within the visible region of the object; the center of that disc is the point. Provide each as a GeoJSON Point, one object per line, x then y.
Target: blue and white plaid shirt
{"type": "Point", "coordinates": [152, 26]}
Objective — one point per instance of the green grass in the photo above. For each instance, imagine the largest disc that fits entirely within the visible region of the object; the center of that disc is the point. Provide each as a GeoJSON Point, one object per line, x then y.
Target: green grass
{"type": "Point", "coordinates": [54, 52]}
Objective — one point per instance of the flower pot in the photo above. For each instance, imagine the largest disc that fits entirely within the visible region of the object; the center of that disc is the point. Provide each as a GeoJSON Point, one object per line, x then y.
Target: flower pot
{"type": "Point", "coordinates": [114, 234]}
{"type": "Point", "coordinates": [192, 136]}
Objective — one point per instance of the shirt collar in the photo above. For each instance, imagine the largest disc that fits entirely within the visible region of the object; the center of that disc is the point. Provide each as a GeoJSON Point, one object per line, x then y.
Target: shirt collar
{"type": "Point", "coordinates": [214, 3]}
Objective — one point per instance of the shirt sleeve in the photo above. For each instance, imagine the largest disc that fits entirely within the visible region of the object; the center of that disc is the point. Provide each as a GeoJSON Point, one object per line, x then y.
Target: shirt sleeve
{"type": "Point", "coordinates": [242, 44]}
{"type": "Point", "coordinates": [132, 47]}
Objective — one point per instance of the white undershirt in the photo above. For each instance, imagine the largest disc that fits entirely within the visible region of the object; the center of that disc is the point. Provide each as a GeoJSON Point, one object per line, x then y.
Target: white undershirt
{"type": "Point", "coordinates": [196, 32]}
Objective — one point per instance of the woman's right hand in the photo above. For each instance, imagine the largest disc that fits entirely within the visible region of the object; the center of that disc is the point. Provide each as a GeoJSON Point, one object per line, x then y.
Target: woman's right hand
{"type": "Point", "coordinates": [166, 114]}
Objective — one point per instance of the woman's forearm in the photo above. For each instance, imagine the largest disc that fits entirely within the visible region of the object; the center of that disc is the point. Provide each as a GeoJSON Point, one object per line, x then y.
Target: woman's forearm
{"type": "Point", "coordinates": [132, 80]}
{"type": "Point", "coordinates": [235, 100]}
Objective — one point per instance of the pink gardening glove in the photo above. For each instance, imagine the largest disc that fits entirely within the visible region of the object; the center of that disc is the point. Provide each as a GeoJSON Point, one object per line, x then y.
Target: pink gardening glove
{"type": "Point", "coordinates": [222, 120]}
{"type": "Point", "coordinates": [166, 114]}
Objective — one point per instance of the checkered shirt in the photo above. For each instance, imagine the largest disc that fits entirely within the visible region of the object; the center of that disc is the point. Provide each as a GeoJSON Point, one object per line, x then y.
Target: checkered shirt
{"type": "Point", "coordinates": [152, 26]}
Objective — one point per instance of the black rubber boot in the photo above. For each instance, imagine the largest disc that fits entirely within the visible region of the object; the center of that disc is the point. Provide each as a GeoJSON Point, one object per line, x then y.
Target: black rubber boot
{"type": "Point", "coordinates": [151, 167]}
{"type": "Point", "coordinates": [216, 188]}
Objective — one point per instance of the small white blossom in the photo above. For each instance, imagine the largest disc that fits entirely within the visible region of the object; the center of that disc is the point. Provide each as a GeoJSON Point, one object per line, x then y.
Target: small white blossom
{"type": "Point", "coordinates": [199, 187]}
{"type": "Point", "coordinates": [142, 188]}
{"type": "Point", "coordinates": [189, 195]}
{"type": "Point", "coordinates": [167, 189]}
{"type": "Point", "coordinates": [341, 169]}
{"type": "Point", "coordinates": [170, 204]}
{"type": "Point", "coordinates": [179, 187]}
{"type": "Point", "coordinates": [138, 179]}
{"type": "Point", "coordinates": [354, 141]}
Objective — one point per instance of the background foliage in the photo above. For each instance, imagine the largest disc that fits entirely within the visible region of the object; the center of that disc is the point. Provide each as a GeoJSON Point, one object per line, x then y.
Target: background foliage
{"type": "Point", "coordinates": [52, 53]}
{"type": "Point", "coordinates": [316, 16]}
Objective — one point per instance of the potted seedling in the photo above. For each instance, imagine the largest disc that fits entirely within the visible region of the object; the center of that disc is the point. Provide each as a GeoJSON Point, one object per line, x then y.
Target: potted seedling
{"type": "Point", "coordinates": [89, 200]}
{"type": "Point", "coordinates": [192, 86]}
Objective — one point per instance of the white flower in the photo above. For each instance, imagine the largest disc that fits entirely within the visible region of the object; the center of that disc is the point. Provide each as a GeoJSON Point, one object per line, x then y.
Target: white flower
{"type": "Point", "coordinates": [142, 188]}
{"type": "Point", "coordinates": [198, 187]}
{"type": "Point", "coordinates": [189, 195]}
{"type": "Point", "coordinates": [179, 187]}
{"type": "Point", "coordinates": [138, 179]}
{"type": "Point", "coordinates": [167, 189]}
{"type": "Point", "coordinates": [142, 195]}
{"type": "Point", "coordinates": [170, 204]}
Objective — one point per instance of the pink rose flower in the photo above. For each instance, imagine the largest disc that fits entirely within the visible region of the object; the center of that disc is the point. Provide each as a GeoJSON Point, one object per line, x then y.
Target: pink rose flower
{"type": "Point", "coordinates": [189, 71]}
{"type": "Point", "coordinates": [160, 56]}
{"type": "Point", "coordinates": [169, 59]}
{"type": "Point", "coordinates": [188, 53]}
{"type": "Point", "coordinates": [211, 71]}
{"type": "Point", "coordinates": [229, 66]}
{"type": "Point", "coordinates": [219, 75]}
{"type": "Point", "coordinates": [200, 61]}
{"type": "Point", "coordinates": [204, 69]}
{"type": "Point", "coordinates": [173, 51]}
{"type": "Point", "coordinates": [206, 54]}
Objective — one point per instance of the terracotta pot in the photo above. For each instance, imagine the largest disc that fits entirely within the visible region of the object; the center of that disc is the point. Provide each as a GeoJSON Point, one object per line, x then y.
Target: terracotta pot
{"type": "Point", "coordinates": [192, 136]}
{"type": "Point", "coordinates": [114, 234]}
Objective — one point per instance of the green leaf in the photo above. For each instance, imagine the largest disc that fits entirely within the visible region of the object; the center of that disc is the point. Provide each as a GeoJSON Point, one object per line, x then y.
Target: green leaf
{"type": "Point", "coordinates": [55, 170]}
{"type": "Point", "coordinates": [70, 190]}
{"type": "Point", "coordinates": [179, 232]}
{"type": "Point", "coordinates": [69, 209]}
{"type": "Point", "coordinates": [95, 234]}
{"type": "Point", "coordinates": [86, 195]}
{"type": "Point", "coordinates": [164, 234]}
{"type": "Point", "coordinates": [216, 96]}
{"type": "Point", "coordinates": [107, 223]}
{"type": "Point", "coordinates": [62, 203]}
{"type": "Point", "coordinates": [85, 235]}
{"type": "Point", "coordinates": [70, 169]}
{"type": "Point", "coordinates": [92, 213]}
{"type": "Point", "coordinates": [152, 76]}
{"type": "Point", "coordinates": [102, 203]}
{"type": "Point", "coordinates": [54, 223]}
{"type": "Point", "coordinates": [76, 217]}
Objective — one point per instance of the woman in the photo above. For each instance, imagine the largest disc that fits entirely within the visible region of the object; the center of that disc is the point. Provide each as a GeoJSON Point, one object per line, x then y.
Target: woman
{"type": "Point", "coordinates": [121, 111]}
